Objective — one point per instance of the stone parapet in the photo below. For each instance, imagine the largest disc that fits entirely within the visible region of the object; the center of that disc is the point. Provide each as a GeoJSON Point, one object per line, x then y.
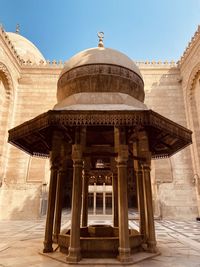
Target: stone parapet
{"type": "Point", "coordinates": [190, 46]}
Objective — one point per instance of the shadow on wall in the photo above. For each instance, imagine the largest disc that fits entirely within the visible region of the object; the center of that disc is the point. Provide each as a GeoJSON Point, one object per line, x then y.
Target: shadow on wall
{"type": "Point", "coordinates": [164, 95]}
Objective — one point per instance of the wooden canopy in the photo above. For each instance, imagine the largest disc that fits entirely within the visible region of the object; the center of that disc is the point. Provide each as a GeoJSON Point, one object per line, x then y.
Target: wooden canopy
{"type": "Point", "coordinates": [165, 136]}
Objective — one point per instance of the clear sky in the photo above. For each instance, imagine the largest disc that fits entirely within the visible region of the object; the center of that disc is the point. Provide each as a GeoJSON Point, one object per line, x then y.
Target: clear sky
{"type": "Point", "coordinates": [143, 29]}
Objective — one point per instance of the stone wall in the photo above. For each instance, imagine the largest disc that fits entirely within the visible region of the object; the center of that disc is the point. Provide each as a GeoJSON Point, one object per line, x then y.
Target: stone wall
{"type": "Point", "coordinates": [173, 178]}
{"type": "Point", "coordinates": [36, 93]}
{"type": "Point", "coordinates": [26, 91]}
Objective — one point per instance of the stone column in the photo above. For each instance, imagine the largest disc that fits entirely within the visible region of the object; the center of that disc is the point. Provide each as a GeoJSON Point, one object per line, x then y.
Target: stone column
{"type": "Point", "coordinates": [85, 200]}
{"type": "Point", "coordinates": [65, 155]}
{"type": "Point", "coordinates": [48, 241]}
{"type": "Point", "coordinates": [122, 149]}
{"type": "Point", "coordinates": [144, 152]}
{"type": "Point", "coordinates": [54, 160]}
{"type": "Point", "coordinates": [141, 202]}
{"type": "Point", "coordinates": [104, 202]}
{"type": "Point", "coordinates": [74, 248]}
{"type": "Point", "coordinates": [58, 208]}
{"type": "Point", "coordinates": [115, 200]}
{"type": "Point", "coordinates": [151, 240]}
{"type": "Point", "coordinates": [140, 193]}
{"type": "Point", "coordinates": [94, 202]}
{"type": "Point", "coordinates": [124, 247]}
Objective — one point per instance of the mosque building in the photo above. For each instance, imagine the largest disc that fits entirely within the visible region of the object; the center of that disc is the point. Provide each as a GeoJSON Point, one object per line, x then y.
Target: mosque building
{"type": "Point", "coordinates": [28, 84]}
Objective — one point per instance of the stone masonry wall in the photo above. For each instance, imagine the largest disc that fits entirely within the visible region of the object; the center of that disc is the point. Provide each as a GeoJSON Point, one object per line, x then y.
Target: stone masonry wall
{"type": "Point", "coordinates": [173, 177]}
{"type": "Point", "coordinates": [190, 75]}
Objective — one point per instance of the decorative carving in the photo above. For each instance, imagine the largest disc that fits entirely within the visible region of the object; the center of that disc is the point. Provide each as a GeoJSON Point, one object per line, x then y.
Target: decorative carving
{"type": "Point", "coordinates": [146, 167]}
{"type": "Point", "coordinates": [100, 78]}
{"type": "Point", "coordinates": [56, 144]}
{"type": "Point", "coordinates": [77, 153]}
{"type": "Point", "coordinates": [165, 130]}
{"type": "Point", "coordinates": [122, 154]}
{"type": "Point", "coordinates": [153, 64]}
{"type": "Point", "coordinates": [122, 118]}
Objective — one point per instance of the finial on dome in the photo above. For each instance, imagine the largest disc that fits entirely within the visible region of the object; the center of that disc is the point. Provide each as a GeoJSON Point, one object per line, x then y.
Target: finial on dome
{"type": "Point", "coordinates": [17, 28]}
{"type": "Point", "coordinates": [101, 36]}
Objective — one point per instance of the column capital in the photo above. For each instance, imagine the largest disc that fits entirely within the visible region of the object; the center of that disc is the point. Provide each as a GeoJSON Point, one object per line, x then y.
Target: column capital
{"type": "Point", "coordinates": [54, 167]}
{"type": "Point", "coordinates": [122, 154]}
{"type": "Point", "coordinates": [55, 153]}
{"type": "Point", "coordinates": [54, 161]}
{"type": "Point", "coordinates": [146, 167]}
{"type": "Point", "coordinates": [77, 152]}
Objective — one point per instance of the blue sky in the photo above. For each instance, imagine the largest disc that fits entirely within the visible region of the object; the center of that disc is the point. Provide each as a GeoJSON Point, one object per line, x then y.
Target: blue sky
{"type": "Point", "coordinates": [143, 29]}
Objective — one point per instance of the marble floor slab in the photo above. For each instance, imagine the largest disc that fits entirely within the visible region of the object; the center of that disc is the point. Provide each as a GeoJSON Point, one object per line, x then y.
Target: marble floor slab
{"type": "Point", "coordinates": [21, 243]}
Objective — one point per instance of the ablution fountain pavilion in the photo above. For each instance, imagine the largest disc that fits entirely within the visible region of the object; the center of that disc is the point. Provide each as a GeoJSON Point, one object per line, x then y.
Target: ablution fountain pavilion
{"type": "Point", "coordinates": [100, 126]}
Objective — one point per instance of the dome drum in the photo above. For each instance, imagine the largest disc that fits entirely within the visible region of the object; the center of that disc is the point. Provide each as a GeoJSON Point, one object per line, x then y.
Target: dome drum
{"type": "Point", "coordinates": [100, 78]}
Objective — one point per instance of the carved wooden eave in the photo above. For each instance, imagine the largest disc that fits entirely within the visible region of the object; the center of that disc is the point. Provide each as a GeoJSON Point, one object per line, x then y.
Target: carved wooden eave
{"type": "Point", "coordinates": [165, 136]}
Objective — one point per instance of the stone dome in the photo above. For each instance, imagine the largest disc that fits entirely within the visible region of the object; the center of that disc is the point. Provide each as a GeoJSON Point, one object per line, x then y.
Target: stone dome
{"type": "Point", "coordinates": [100, 78]}
{"type": "Point", "coordinates": [25, 49]}
{"type": "Point", "coordinates": [99, 55]}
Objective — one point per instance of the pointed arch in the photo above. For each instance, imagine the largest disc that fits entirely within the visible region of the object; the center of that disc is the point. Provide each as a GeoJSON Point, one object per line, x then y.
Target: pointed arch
{"type": "Point", "coordinates": [7, 79]}
{"type": "Point", "coordinates": [193, 108]}
{"type": "Point", "coordinates": [192, 79]}
{"type": "Point", "coordinates": [6, 109]}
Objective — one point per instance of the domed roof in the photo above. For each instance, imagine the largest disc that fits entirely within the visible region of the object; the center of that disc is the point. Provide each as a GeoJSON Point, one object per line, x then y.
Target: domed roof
{"type": "Point", "coordinates": [100, 55]}
{"type": "Point", "coordinates": [25, 49]}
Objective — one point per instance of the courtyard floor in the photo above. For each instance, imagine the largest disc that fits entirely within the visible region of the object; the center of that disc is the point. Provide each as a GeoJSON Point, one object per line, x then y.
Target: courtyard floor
{"type": "Point", "coordinates": [21, 242]}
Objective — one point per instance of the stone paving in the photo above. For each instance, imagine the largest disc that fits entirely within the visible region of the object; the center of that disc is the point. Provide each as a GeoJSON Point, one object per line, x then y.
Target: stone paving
{"type": "Point", "coordinates": [21, 242]}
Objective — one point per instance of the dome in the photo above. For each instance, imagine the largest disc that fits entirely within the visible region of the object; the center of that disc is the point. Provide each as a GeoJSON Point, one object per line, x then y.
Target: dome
{"type": "Point", "coordinates": [100, 78]}
{"type": "Point", "coordinates": [100, 55]}
{"type": "Point", "coordinates": [25, 49]}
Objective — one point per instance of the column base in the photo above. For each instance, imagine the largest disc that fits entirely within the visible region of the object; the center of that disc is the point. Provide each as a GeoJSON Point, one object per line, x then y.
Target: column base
{"type": "Point", "coordinates": [55, 238]}
{"type": "Point", "coordinates": [115, 224]}
{"type": "Point", "coordinates": [124, 255]}
{"type": "Point", "coordinates": [74, 255]}
{"type": "Point", "coordinates": [47, 248]}
{"type": "Point", "coordinates": [151, 247]}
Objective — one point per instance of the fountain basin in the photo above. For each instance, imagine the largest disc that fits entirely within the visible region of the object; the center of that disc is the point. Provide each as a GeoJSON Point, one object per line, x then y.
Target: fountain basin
{"type": "Point", "coordinates": [99, 241]}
